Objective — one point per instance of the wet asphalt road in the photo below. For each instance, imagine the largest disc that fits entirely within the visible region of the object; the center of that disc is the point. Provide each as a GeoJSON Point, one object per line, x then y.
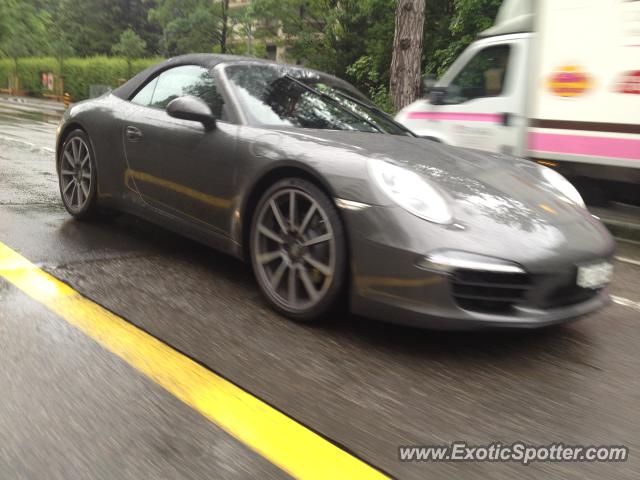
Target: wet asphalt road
{"type": "Point", "coordinates": [69, 409]}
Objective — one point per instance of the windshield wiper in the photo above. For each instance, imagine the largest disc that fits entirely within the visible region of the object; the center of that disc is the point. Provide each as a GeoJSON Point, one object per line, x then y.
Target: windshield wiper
{"type": "Point", "coordinates": [333, 101]}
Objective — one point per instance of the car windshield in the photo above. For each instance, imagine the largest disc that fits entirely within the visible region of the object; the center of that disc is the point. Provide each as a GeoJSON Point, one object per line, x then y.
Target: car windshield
{"type": "Point", "coordinates": [277, 95]}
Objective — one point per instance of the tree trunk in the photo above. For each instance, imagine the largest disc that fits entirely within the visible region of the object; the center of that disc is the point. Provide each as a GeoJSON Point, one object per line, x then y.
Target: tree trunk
{"type": "Point", "coordinates": [407, 52]}
{"type": "Point", "coordinates": [225, 25]}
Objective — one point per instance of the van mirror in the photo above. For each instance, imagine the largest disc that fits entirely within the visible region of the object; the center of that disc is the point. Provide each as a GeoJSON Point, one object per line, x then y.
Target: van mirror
{"type": "Point", "coordinates": [437, 95]}
{"type": "Point", "coordinates": [428, 82]}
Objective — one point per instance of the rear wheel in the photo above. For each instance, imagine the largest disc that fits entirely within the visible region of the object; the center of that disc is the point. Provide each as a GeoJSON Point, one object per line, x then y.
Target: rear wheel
{"type": "Point", "coordinates": [298, 250]}
{"type": "Point", "coordinates": [77, 176]}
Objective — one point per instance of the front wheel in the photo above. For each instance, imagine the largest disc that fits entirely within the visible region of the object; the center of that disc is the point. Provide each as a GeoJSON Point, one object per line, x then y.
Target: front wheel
{"type": "Point", "coordinates": [77, 176]}
{"type": "Point", "coordinates": [298, 250]}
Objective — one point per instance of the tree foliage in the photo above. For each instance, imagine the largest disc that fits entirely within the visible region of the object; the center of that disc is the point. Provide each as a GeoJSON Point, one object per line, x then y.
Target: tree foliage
{"type": "Point", "coordinates": [349, 38]}
{"type": "Point", "coordinates": [94, 26]}
{"type": "Point", "coordinates": [451, 26]}
{"type": "Point", "coordinates": [24, 28]}
{"type": "Point", "coordinates": [4, 15]}
{"type": "Point", "coordinates": [187, 26]}
{"type": "Point", "coordinates": [130, 46]}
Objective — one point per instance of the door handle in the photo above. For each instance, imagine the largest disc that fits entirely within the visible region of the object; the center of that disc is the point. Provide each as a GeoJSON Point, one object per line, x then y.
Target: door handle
{"type": "Point", "coordinates": [133, 134]}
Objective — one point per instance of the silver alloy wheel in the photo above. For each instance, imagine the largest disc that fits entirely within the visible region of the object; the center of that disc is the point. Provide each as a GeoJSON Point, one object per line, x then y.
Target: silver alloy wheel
{"type": "Point", "coordinates": [295, 252]}
{"type": "Point", "coordinates": [75, 174]}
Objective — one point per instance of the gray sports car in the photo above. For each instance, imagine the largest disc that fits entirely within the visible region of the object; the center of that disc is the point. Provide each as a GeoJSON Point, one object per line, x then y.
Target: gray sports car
{"type": "Point", "coordinates": [333, 202]}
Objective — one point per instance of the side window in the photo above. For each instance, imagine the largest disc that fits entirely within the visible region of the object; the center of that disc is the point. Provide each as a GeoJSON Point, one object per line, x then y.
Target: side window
{"type": "Point", "coordinates": [180, 81]}
{"type": "Point", "coordinates": [187, 80]}
{"type": "Point", "coordinates": [143, 97]}
{"type": "Point", "coordinates": [483, 76]}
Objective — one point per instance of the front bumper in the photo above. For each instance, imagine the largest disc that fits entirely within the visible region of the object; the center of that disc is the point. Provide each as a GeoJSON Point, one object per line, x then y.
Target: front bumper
{"type": "Point", "coordinates": [387, 244]}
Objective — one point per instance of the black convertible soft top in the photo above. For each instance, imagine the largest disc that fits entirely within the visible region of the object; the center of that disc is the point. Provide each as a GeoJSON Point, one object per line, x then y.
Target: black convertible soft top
{"type": "Point", "coordinates": [210, 60]}
{"type": "Point", "coordinates": [127, 89]}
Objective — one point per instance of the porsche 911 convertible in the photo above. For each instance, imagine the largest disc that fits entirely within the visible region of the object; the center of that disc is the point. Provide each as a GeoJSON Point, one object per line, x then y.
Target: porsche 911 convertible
{"type": "Point", "coordinates": [332, 202]}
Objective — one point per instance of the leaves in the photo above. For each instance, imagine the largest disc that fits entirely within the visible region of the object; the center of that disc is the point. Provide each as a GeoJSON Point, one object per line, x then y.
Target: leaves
{"type": "Point", "coordinates": [129, 46]}
{"type": "Point", "coordinates": [451, 25]}
{"type": "Point", "coordinates": [349, 38]}
{"type": "Point", "coordinates": [92, 27]}
{"type": "Point", "coordinates": [24, 28]}
{"type": "Point", "coordinates": [187, 25]}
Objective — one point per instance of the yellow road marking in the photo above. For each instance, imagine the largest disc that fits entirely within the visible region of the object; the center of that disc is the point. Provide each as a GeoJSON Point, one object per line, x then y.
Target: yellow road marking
{"type": "Point", "coordinates": [281, 440]}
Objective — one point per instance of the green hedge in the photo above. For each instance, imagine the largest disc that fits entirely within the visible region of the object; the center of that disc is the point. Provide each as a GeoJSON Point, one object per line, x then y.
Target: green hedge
{"type": "Point", "coordinates": [80, 73]}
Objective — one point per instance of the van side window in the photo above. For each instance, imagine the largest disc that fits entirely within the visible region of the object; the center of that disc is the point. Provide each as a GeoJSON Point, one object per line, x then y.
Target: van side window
{"type": "Point", "coordinates": [483, 76]}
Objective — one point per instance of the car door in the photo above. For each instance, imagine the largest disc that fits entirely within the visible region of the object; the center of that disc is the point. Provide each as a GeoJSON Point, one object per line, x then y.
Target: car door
{"type": "Point", "coordinates": [483, 106]}
{"type": "Point", "coordinates": [179, 166]}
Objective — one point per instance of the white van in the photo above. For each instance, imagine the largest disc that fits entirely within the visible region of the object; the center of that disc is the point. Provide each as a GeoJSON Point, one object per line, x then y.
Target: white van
{"type": "Point", "coordinates": [557, 81]}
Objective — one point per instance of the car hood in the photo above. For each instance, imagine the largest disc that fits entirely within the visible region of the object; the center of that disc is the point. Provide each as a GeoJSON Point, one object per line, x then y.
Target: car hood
{"type": "Point", "coordinates": [477, 183]}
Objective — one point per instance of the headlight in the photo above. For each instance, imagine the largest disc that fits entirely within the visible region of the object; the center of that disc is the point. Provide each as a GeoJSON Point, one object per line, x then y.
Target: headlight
{"type": "Point", "coordinates": [562, 185]}
{"type": "Point", "coordinates": [411, 192]}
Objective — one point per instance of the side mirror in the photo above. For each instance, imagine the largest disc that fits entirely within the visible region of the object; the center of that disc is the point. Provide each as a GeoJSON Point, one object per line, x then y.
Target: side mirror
{"type": "Point", "coordinates": [437, 95]}
{"type": "Point", "coordinates": [192, 108]}
{"type": "Point", "coordinates": [428, 82]}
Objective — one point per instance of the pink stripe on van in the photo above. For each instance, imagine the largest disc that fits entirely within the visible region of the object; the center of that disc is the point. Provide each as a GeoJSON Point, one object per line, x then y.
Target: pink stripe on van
{"type": "Point", "coordinates": [628, 148]}
{"type": "Point", "coordinates": [466, 117]}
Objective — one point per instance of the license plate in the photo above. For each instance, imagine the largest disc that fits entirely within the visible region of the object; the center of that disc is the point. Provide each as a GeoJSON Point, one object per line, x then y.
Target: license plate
{"type": "Point", "coordinates": [595, 276]}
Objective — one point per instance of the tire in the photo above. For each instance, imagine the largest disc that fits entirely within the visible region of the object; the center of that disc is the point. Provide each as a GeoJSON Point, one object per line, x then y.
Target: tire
{"type": "Point", "coordinates": [301, 270]}
{"type": "Point", "coordinates": [79, 199]}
